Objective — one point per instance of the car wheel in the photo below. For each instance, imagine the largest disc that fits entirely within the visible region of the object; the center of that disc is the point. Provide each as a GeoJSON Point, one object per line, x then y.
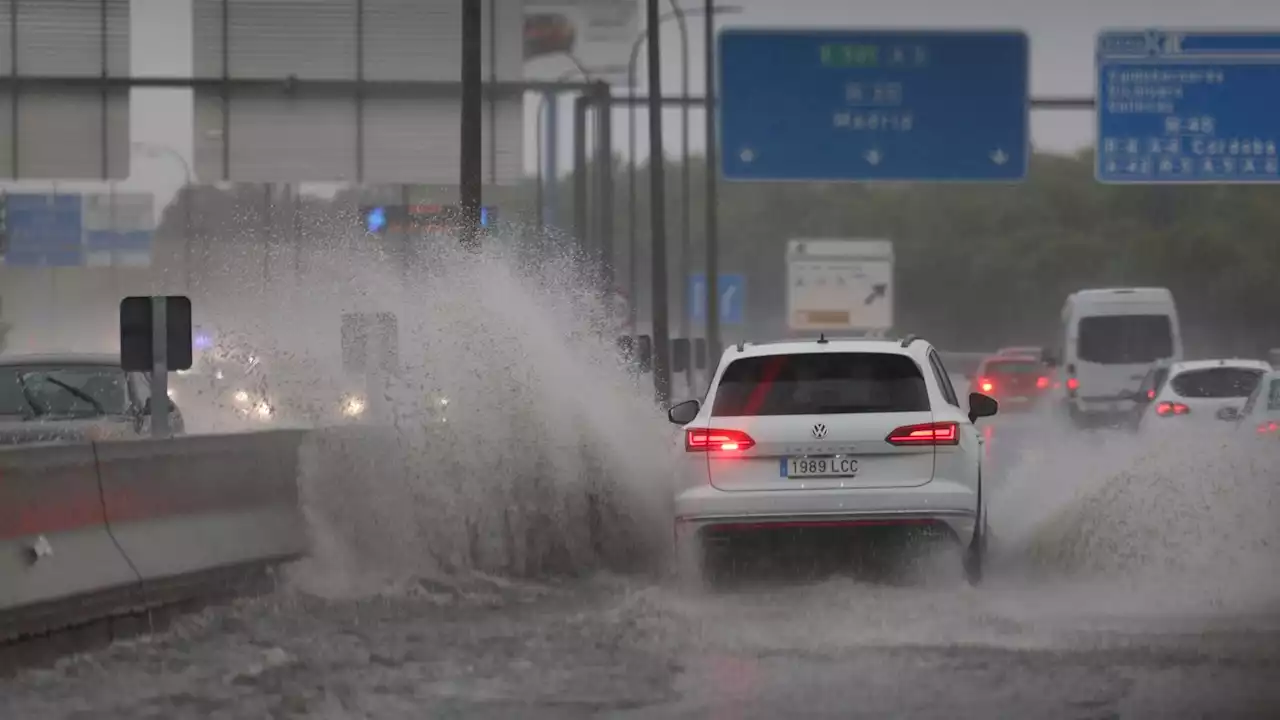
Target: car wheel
{"type": "Point", "coordinates": [975, 556]}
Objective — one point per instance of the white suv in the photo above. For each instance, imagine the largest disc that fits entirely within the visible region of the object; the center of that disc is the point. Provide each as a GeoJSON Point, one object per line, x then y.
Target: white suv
{"type": "Point", "coordinates": [832, 432]}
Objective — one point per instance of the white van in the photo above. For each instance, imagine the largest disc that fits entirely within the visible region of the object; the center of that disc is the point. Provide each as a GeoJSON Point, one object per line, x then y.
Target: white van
{"type": "Point", "coordinates": [1108, 340]}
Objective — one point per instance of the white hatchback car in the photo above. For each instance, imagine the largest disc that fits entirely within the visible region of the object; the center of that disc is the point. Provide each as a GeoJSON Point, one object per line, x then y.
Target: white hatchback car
{"type": "Point", "coordinates": [832, 432]}
{"type": "Point", "coordinates": [1200, 391]}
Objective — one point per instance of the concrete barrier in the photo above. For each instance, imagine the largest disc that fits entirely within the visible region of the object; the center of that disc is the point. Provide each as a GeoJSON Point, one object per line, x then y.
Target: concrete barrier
{"type": "Point", "coordinates": [89, 531]}
{"type": "Point", "coordinates": [55, 547]}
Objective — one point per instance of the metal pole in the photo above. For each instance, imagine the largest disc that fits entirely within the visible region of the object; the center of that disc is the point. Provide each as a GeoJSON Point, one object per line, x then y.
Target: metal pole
{"type": "Point", "coordinates": [604, 180]}
{"type": "Point", "coordinates": [685, 215]}
{"type": "Point", "coordinates": [657, 210]}
{"type": "Point", "coordinates": [580, 216]}
{"type": "Point", "coordinates": [552, 188]}
{"type": "Point", "coordinates": [159, 368]}
{"type": "Point", "coordinates": [541, 177]}
{"type": "Point", "coordinates": [633, 269]}
{"type": "Point", "coordinates": [188, 197]}
{"type": "Point", "coordinates": [712, 264]}
{"type": "Point", "coordinates": [470, 171]}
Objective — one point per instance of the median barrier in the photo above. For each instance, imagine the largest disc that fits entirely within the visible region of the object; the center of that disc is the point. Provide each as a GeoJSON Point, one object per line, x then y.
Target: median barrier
{"type": "Point", "coordinates": [98, 530]}
{"type": "Point", "coordinates": [59, 565]}
{"type": "Point", "coordinates": [198, 505]}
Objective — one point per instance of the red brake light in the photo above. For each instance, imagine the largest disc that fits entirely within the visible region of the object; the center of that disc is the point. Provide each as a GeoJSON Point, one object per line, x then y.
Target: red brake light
{"type": "Point", "coordinates": [1268, 427]}
{"type": "Point", "coordinates": [1073, 384]}
{"type": "Point", "coordinates": [1168, 409]}
{"type": "Point", "coordinates": [1151, 394]}
{"type": "Point", "coordinates": [939, 433]}
{"type": "Point", "coordinates": [986, 385]}
{"type": "Point", "coordinates": [701, 440]}
{"type": "Point", "coordinates": [1042, 383]}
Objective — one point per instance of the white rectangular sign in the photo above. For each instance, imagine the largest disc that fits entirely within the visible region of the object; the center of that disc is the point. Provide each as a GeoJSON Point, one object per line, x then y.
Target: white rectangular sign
{"type": "Point", "coordinates": [840, 285]}
{"type": "Point", "coordinates": [597, 33]}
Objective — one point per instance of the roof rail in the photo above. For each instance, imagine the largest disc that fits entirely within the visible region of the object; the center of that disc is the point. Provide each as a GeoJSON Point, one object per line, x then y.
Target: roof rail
{"type": "Point", "coordinates": [906, 341]}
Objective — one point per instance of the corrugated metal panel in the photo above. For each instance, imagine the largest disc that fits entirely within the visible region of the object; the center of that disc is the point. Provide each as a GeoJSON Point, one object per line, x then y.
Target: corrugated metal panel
{"type": "Point", "coordinates": [307, 138]}
{"type": "Point", "coordinates": [409, 141]}
{"type": "Point", "coordinates": [283, 140]}
{"type": "Point", "coordinates": [276, 38]}
{"type": "Point", "coordinates": [403, 39]}
{"type": "Point", "coordinates": [59, 135]}
{"type": "Point", "coordinates": [64, 37]}
{"type": "Point", "coordinates": [276, 139]}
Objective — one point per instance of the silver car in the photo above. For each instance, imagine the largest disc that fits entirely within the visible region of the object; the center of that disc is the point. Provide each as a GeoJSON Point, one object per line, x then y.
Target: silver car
{"type": "Point", "coordinates": [74, 397]}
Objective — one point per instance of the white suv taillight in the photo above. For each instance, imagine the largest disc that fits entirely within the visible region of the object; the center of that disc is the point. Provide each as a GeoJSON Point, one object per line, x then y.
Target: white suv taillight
{"type": "Point", "coordinates": [703, 440]}
{"type": "Point", "coordinates": [938, 433]}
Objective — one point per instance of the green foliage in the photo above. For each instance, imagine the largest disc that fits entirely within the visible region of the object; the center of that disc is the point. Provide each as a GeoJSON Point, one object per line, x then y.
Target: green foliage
{"type": "Point", "coordinates": [984, 265]}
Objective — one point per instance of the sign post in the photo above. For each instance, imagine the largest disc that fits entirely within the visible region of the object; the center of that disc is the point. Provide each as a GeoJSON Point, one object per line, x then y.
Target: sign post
{"type": "Point", "coordinates": [840, 285]}
{"type": "Point", "coordinates": [155, 337]}
{"type": "Point", "coordinates": [1188, 107]}
{"type": "Point", "coordinates": [836, 105]}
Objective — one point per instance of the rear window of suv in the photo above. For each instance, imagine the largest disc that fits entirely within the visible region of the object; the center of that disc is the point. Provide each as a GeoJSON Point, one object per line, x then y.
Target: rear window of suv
{"type": "Point", "coordinates": [821, 384]}
{"type": "Point", "coordinates": [1014, 367]}
{"type": "Point", "coordinates": [1219, 382]}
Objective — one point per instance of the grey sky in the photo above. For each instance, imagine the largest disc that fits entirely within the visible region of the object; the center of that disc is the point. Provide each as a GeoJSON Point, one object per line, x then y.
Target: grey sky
{"type": "Point", "coordinates": [1062, 35]}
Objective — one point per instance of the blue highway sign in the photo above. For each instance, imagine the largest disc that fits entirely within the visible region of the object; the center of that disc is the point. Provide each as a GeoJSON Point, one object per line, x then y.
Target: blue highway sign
{"type": "Point", "coordinates": [1188, 107]}
{"type": "Point", "coordinates": [831, 105]}
{"type": "Point", "coordinates": [733, 298]}
{"type": "Point", "coordinates": [44, 230]}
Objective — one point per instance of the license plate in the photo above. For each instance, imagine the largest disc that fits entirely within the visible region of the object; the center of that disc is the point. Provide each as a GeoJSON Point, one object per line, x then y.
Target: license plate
{"type": "Point", "coordinates": [817, 467]}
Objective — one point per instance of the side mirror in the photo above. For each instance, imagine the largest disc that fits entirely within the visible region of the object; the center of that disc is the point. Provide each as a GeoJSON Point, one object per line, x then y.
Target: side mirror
{"type": "Point", "coordinates": [1229, 414]}
{"type": "Point", "coordinates": [981, 406]}
{"type": "Point", "coordinates": [684, 413]}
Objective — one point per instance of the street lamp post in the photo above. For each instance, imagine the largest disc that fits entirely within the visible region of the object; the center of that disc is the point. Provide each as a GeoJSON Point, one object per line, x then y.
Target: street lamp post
{"type": "Point", "coordinates": [679, 14]}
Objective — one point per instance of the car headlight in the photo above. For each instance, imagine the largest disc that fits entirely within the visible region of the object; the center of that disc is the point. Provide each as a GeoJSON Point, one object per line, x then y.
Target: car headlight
{"type": "Point", "coordinates": [241, 397]}
{"type": "Point", "coordinates": [353, 406]}
{"type": "Point", "coordinates": [444, 402]}
{"type": "Point", "coordinates": [264, 410]}
{"type": "Point", "coordinates": [173, 395]}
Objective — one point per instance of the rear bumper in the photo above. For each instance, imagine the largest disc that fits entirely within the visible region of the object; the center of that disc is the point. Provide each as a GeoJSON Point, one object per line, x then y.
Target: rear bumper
{"type": "Point", "coordinates": [952, 503]}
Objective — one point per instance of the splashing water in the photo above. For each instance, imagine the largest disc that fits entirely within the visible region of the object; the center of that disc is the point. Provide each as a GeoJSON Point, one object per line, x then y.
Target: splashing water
{"type": "Point", "coordinates": [554, 455]}
{"type": "Point", "coordinates": [1179, 521]}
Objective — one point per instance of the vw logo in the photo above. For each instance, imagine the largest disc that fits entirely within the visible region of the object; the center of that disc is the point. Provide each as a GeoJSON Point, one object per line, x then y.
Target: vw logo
{"type": "Point", "coordinates": [819, 431]}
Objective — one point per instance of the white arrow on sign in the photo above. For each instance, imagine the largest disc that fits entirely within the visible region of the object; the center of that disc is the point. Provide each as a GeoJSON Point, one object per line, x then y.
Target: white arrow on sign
{"type": "Point", "coordinates": [999, 157]}
{"type": "Point", "coordinates": [726, 300]}
{"type": "Point", "coordinates": [874, 157]}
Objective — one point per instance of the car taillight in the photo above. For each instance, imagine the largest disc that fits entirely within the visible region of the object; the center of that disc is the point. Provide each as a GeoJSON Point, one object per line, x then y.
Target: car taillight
{"type": "Point", "coordinates": [939, 433]}
{"type": "Point", "coordinates": [1073, 384]}
{"type": "Point", "coordinates": [986, 385]}
{"type": "Point", "coordinates": [1042, 383]}
{"type": "Point", "coordinates": [1169, 409]}
{"type": "Point", "coordinates": [700, 440]}
{"type": "Point", "coordinates": [1151, 394]}
{"type": "Point", "coordinates": [1268, 427]}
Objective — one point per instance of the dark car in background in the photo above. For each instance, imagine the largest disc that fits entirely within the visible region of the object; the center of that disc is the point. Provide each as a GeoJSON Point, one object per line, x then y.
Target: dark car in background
{"type": "Point", "coordinates": [74, 397]}
{"type": "Point", "coordinates": [1018, 382]}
